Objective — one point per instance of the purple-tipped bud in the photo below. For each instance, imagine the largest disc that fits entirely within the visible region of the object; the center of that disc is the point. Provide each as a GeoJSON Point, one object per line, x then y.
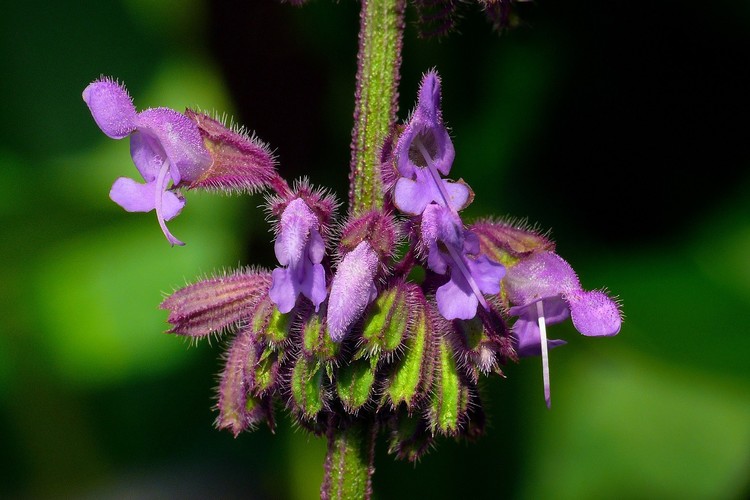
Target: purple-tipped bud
{"type": "Point", "coordinates": [215, 304]}
{"type": "Point", "coordinates": [238, 410]}
{"type": "Point", "coordinates": [240, 163]}
{"type": "Point", "coordinates": [353, 287]}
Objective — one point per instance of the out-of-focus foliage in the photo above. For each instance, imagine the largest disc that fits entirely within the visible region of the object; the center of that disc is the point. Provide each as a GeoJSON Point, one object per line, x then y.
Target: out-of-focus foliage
{"type": "Point", "coordinates": [588, 120]}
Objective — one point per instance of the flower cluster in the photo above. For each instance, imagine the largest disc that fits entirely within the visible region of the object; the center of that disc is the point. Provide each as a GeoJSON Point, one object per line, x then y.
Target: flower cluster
{"type": "Point", "coordinates": [340, 331]}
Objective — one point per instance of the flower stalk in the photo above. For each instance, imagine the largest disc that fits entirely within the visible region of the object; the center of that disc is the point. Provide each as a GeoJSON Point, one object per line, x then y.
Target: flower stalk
{"type": "Point", "coordinates": [376, 97]}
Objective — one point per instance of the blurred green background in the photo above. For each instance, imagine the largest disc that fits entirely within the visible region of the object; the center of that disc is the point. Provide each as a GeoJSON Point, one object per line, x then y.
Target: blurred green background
{"type": "Point", "coordinates": [622, 127]}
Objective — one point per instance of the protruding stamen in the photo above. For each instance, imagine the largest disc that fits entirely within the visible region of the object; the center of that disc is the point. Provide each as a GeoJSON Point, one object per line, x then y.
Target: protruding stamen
{"type": "Point", "coordinates": [545, 350]}
{"type": "Point", "coordinates": [161, 181]}
{"type": "Point", "coordinates": [433, 173]}
{"type": "Point", "coordinates": [459, 261]}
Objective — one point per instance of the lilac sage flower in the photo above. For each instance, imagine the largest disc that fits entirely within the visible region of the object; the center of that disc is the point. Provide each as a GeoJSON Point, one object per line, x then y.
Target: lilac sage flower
{"type": "Point", "coordinates": [164, 144]}
{"type": "Point", "coordinates": [455, 249]}
{"type": "Point", "coordinates": [300, 248]}
{"type": "Point", "coordinates": [423, 152]}
{"type": "Point", "coordinates": [545, 290]}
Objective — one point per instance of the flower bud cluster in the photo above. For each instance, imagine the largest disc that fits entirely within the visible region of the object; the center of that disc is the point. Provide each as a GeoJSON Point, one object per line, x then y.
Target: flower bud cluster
{"type": "Point", "coordinates": [340, 330]}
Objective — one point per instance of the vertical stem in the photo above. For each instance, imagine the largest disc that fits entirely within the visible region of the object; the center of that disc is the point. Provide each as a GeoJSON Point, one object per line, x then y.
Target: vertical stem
{"type": "Point", "coordinates": [376, 98]}
{"type": "Point", "coordinates": [349, 461]}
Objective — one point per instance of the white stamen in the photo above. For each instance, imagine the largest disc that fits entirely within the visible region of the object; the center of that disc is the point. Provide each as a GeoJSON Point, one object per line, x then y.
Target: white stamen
{"type": "Point", "coordinates": [545, 351]}
{"type": "Point", "coordinates": [458, 260]}
{"type": "Point", "coordinates": [161, 181]}
{"type": "Point", "coordinates": [435, 175]}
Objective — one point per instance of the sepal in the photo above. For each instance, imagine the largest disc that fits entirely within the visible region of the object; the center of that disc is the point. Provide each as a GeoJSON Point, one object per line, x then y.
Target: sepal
{"type": "Point", "coordinates": [216, 304]}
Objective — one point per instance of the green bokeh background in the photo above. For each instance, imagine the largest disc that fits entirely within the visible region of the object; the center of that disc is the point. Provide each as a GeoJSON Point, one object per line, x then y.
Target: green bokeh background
{"type": "Point", "coordinates": [612, 125]}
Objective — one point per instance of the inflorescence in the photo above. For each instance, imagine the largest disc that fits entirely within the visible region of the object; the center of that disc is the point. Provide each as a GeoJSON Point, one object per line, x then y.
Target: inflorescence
{"type": "Point", "coordinates": [388, 316]}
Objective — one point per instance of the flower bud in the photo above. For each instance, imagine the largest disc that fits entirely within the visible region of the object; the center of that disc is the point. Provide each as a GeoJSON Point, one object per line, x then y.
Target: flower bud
{"type": "Point", "coordinates": [316, 342]}
{"type": "Point", "coordinates": [237, 410]}
{"type": "Point", "coordinates": [387, 321]}
{"type": "Point", "coordinates": [410, 377]}
{"type": "Point", "coordinates": [354, 383]}
{"type": "Point", "coordinates": [268, 324]}
{"type": "Point", "coordinates": [308, 394]}
{"type": "Point", "coordinates": [449, 399]}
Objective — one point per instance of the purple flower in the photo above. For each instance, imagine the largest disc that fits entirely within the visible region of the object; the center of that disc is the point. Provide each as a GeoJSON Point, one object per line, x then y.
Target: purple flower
{"type": "Point", "coordinates": [164, 144]}
{"type": "Point", "coordinates": [545, 290]}
{"type": "Point", "coordinates": [352, 289]}
{"type": "Point", "coordinates": [423, 152]}
{"type": "Point", "coordinates": [455, 249]}
{"type": "Point", "coordinates": [300, 247]}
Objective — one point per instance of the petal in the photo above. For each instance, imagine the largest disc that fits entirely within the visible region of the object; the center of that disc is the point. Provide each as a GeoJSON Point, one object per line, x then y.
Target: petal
{"type": "Point", "coordinates": [177, 137]}
{"type": "Point", "coordinates": [459, 194]}
{"type": "Point", "coordinates": [316, 247]}
{"type": "Point", "coordinates": [313, 285]}
{"type": "Point", "coordinates": [594, 313]}
{"type": "Point", "coordinates": [555, 310]}
{"type": "Point", "coordinates": [455, 299]}
{"type": "Point", "coordinates": [411, 197]}
{"type": "Point", "coordinates": [527, 338]}
{"type": "Point", "coordinates": [295, 227]}
{"type": "Point", "coordinates": [526, 335]}
{"type": "Point", "coordinates": [133, 196]}
{"type": "Point", "coordinates": [171, 205]}
{"type": "Point", "coordinates": [486, 273]}
{"type": "Point", "coordinates": [436, 260]}
{"type": "Point", "coordinates": [111, 107]}
{"type": "Point", "coordinates": [440, 223]}
{"type": "Point", "coordinates": [283, 290]}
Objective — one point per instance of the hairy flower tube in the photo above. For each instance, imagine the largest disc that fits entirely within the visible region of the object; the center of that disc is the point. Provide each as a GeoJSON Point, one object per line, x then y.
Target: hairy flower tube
{"type": "Point", "coordinates": [165, 146]}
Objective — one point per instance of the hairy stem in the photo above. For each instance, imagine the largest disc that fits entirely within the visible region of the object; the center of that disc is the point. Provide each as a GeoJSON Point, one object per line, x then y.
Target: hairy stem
{"type": "Point", "coordinates": [376, 98]}
{"type": "Point", "coordinates": [349, 461]}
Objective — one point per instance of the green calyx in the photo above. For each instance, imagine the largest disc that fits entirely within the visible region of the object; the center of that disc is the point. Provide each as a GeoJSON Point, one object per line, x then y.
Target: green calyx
{"type": "Point", "coordinates": [354, 383]}
{"type": "Point", "coordinates": [308, 393]}
{"type": "Point", "coordinates": [409, 373]}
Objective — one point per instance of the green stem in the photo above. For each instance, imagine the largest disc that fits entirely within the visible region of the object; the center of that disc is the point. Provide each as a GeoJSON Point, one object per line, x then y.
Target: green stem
{"type": "Point", "coordinates": [349, 461]}
{"type": "Point", "coordinates": [376, 97]}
